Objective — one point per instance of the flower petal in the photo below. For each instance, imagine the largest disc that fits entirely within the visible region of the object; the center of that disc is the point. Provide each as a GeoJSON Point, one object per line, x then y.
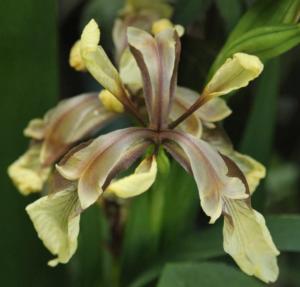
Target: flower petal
{"type": "Point", "coordinates": [253, 170]}
{"type": "Point", "coordinates": [93, 164]}
{"type": "Point", "coordinates": [35, 129]}
{"type": "Point", "coordinates": [75, 59]}
{"type": "Point", "coordinates": [110, 102]}
{"type": "Point", "coordinates": [234, 74]}
{"type": "Point", "coordinates": [136, 183]}
{"type": "Point", "coordinates": [214, 110]}
{"type": "Point", "coordinates": [157, 59]}
{"type": "Point", "coordinates": [56, 220]}
{"type": "Point", "coordinates": [210, 173]}
{"type": "Point", "coordinates": [129, 72]}
{"type": "Point", "coordinates": [27, 172]}
{"type": "Point", "coordinates": [72, 121]}
{"type": "Point", "coordinates": [248, 241]}
{"type": "Point", "coordinates": [98, 63]}
{"type": "Point", "coordinates": [192, 124]}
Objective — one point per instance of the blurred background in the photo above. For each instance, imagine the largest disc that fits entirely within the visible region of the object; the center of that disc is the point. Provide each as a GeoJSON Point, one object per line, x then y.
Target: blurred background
{"type": "Point", "coordinates": [35, 39]}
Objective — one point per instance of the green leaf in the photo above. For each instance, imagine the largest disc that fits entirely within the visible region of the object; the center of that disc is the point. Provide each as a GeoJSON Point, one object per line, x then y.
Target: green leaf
{"type": "Point", "coordinates": [230, 11]}
{"type": "Point", "coordinates": [186, 11]}
{"type": "Point", "coordinates": [258, 136]}
{"type": "Point", "coordinates": [266, 13]}
{"type": "Point", "coordinates": [264, 42]}
{"type": "Point", "coordinates": [204, 275]}
{"type": "Point", "coordinates": [285, 230]}
{"type": "Point", "coordinates": [264, 31]}
{"type": "Point", "coordinates": [29, 87]}
{"type": "Point", "coordinates": [257, 140]}
{"type": "Point", "coordinates": [92, 263]}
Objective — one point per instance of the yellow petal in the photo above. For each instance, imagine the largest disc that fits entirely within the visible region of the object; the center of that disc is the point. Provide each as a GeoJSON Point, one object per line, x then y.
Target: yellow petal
{"type": "Point", "coordinates": [214, 110]}
{"type": "Point", "coordinates": [248, 241]}
{"type": "Point", "coordinates": [56, 220]}
{"type": "Point", "coordinates": [164, 24]}
{"type": "Point", "coordinates": [97, 62]}
{"type": "Point", "coordinates": [129, 72]}
{"type": "Point", "coordinates": [35, 129]}
{"type": "Point", "coordinates": [110, 102]}
{"type": "Point", "coordinates": [252, 169]}
{"type": "Point", "coordinates": [27, 173]}
{"type": "Point", "coordinates": [75, 59]}
{"type": "Point", "coordinates": [137, 183]}
{"type": "Point", "coordinates": [90, 36]}
{"type": "Point", "coordinates": [234, 74]}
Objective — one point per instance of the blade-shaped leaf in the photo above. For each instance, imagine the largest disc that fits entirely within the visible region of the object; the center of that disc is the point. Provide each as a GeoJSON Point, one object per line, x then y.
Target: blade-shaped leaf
{"type": "Point", "coordinates": [29, 86]}
{"type": "Point", "coordinates": [204, 275]}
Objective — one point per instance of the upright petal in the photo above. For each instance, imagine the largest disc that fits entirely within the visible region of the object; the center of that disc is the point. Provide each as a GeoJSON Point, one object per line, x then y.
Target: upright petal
{"type": "Point", "coordinates": [248, 241]}
{"type": "Point", "coordinates": [234, 74]}
{"type": "Point", "coordinates": [136, 183]}
{"type": "Point", "coordinates": [71, 121]}
{"type": "Point", "coordinates": [75, 59]}
{"type": "Point", "coordinates": [56, 220]}
{"type": "Point", "coordinates": [92, 165]}
{"type": "Point", "coordinates": [27, 172]}
{"type": "Point", "coordinates": [157, 59]}
{"type": "Point", "coordinates": [98, 63]}
{"type": "Point", "coordinates": [210, 173]}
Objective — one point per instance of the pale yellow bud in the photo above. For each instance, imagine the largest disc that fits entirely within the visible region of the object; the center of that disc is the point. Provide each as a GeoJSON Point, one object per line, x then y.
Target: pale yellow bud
{"type": "Point", "coordinates": [161, 25]}
{"type": "Point", "coordinates": [110, 102]}
{"type": "Point", "coordinates": [75, 59]}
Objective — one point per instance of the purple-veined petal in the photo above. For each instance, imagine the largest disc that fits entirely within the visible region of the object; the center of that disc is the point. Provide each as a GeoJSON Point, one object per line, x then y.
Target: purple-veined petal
{"type": "Point", "coordinates": [71, 121]}
{"type": "Point", "coordinates": [157, 59]}
{"type": "Point", "coordinates": [92, 165]}
{"type": "Point", "coordinates": [214, 110]}
{"type": "Point", "coordinates": [192, 124]}
{"type": "Point", "coordinates": [209, 171]}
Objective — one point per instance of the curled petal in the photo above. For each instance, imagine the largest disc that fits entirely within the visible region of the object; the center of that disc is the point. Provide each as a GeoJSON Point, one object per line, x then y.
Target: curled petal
{"type": "Point", "coordinates": [72, 121]}
{"type": "Point", "coordinates": [27, 172]}
{"type": "Point", "coordinates": [92, 165]}
{"type": "Point", "coordinates": [253, 170]}
{"type": "Point", "coordinates": [98, 63]}
{"type": "Point", "coordinates": [56, 220]}
{"type": "Point", "coordinates": [157, 59]}
{"type": "Point", "coordinates": [248, 241]}
{"type": "Point", "coordinates": [75, 59]}
{"type": "Point", "coordinates": [137, 183]}
{"type": "Point", "coordinates": [35, 129]}
{"type": "Point", "coordinates": [234, 74]}
{"type": "Point", "coordinates": [210, 173]}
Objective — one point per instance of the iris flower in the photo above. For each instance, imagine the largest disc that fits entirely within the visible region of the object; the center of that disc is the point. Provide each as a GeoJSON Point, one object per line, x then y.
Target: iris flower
{"type": "Point", "coordinates": [224, 178]}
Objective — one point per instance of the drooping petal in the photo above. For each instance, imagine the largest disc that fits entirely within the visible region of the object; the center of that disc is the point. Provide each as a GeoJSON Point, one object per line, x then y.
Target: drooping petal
{"type": "Point", "coordinates": [56, 220]}
{"type": "Point", "coordinates": [92, 165]}
{"type": "Point", "coordinates": [157, 59]}
{"type": "Point", "coordinates": [253, 170]}
{"type": "Point", "coordinates": [234, 74]}
{"type": "Point", "coordinates": [71, 121]}
{"type": "Point", "coordinates": [248, 241]}
{"type": "Point", "coordinates": [136, 183]}
{"type": "Point", "coordinates": [210, 173]}
{"type": "Point", "coordinates": [98, 63]}
{"type": "Point", "coordinates": [27, 172]}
